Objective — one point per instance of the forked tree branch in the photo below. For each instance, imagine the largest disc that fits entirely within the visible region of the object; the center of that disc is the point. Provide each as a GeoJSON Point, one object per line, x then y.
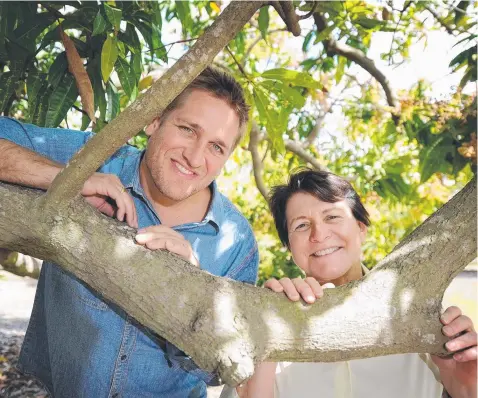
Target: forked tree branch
{"type": "Point", "coordinates": [394, 309]}
{"type": "Point", "coordinates": [286, 11]}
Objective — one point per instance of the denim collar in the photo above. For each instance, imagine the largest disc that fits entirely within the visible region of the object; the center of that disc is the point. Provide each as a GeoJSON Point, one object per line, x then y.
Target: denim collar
{"type": "Point", "coordinates": [130, 179]}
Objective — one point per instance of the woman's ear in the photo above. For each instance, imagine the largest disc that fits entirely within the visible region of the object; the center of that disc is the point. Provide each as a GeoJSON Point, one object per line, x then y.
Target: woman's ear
{"type": "Point", "coordinates": [152, 127]}
{"type": "Point", "coordinates": [363, 231]}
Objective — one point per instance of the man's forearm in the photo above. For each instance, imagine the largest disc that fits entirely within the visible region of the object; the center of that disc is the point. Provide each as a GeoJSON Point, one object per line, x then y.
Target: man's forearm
{"type": "Point", "coordinates": [22, 166]}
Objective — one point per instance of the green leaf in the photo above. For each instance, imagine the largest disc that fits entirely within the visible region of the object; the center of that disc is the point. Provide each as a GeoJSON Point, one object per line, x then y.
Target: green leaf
{"type": "Point", "coordinates": [369, 23]}
{"type": "Point", "coordinates": [34, 84]}
{"type": "Point", "coordinates": [8, 82]}
{"type": "Point", "coordinates": [114, 16]}
{"type": "Point", "coordinates": [432, 158]}
{"type": "Point", "coordinates": [239, 40]}
{"type": "Point", "coordinates": [99, 24]}
{"type": "Point", "coordinates": [57, 69]}
{"type": "Point", "coordinates": [126, 76]}
{"type": "Point", "coordinates": [51, 36]}
{"type": "Point", "coordinates": [3, 29]}
{"type": "Point", "coordinates": [85, 121]}
{"type": "Point", "coordinates": [285, 92]}
{"type": "Point", "coordinates": [183, 12]}
{"type": "Point", "coordinates": [339, 73]}
{"type": "Point", "coordinates": [61, 100]}
{"type": "Point", "coordinates": [113, 107]}
{"type": "Point", "coordinates": [293, 77]}
{"type": "Point", "coordinates": [25, 34]}
{"type": "Point", "coordinates": [131, 39]}
{"type": "Point", "coordinates": [324, 34]}
{"type": "Point", "coordinates": [94, 74]}
{"type": "Point", "coordinates": [307, 39]}
{"type": "Point", "coordinates": [264, 21]}
{"type": "Point", "coordinates": [39, 116]}
{"type": "Point", "coordinates": [109, 54]}
{"type": "Point", "coordinates": [270, 119]}
{"type": "Point", "coordinates": [136, 65]}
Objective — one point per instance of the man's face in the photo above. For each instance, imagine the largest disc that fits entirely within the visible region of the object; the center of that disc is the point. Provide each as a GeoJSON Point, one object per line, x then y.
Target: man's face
{"type": "Point", "coordinates": [325, 238]}
{"type": "Point", "coordinates": [188, 149]}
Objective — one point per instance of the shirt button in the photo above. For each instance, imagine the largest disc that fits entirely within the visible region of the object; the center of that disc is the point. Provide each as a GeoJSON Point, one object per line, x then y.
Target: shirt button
{"type": "Point", "coordinates": [123, 357]}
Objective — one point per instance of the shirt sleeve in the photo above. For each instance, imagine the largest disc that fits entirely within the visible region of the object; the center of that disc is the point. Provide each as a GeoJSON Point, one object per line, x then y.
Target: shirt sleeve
{"type": "Point", "coordinates": [56, 144]}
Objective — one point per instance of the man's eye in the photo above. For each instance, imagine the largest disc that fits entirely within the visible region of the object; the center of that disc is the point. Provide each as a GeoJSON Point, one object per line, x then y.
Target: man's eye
{"type": "Point", "coordinates": [217, 148]}
{"type": "Point", "coordinates": [186, 129]}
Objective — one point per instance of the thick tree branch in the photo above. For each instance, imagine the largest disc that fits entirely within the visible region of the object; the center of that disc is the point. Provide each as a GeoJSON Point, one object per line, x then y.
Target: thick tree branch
{"type": "Point", "coordinates": [394, 309]}
{"type": "Point", "coordinates": [257, 167]}
{"type": "Point", "coordinates": [287, 12]}
{"type": "Point", "coordinates": [359, 58]}
{"type": "Point", "coordinates": [70, 181]}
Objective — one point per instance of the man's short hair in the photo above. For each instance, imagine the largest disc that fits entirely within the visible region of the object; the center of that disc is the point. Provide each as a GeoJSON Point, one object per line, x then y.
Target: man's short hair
{"type": "Point", "coordinates": [324, 185]}
{"type": "Point", "coordinates": [221, 85]}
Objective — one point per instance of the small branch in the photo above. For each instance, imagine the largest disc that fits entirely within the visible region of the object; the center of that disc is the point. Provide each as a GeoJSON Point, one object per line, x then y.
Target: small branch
{"type": "Point", "coordinates": [297, 149]}
{"type": "Point", "coordinates": [69, 182]}
{"type": "Point", "coordinates": [438, 18]}
{"type": "Point", "coordinates": [256, 160]}
{"type": "Point", "coordinates": [170, 44]}
{"type": "Point", "coordinates": [286, 11]}
{"type": "Point", "coordinates": [238, 64]}
{"type": "Point", "coordinates": [254, 43]}
{"type": "Point", "coordinates": [357, 56]}
{"type": "Point", "coordinates": [311, 12]}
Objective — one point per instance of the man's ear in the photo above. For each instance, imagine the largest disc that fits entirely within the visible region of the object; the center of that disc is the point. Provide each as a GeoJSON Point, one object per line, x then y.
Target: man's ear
{"type": "Point", "coordinates": [363, 231]}
{"type": "Point", "coordinates": [152, 127]}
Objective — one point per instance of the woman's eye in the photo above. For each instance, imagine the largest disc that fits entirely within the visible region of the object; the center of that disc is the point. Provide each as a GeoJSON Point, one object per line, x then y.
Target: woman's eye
{"type": "Point", "coordinates": [332, 217]}
{"type": "Point", "coordinates": [300, 227]}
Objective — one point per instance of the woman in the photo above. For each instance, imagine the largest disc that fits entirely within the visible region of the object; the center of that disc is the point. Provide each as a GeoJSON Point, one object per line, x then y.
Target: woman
{"type": "Point", "coordinates": [320, 218]}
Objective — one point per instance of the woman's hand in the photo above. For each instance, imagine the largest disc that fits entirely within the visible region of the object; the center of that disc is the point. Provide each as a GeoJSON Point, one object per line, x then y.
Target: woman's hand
{"type": "Point", "coordinates": [458, 371]}
{"type": "Point", "coordinates": [309, 288]}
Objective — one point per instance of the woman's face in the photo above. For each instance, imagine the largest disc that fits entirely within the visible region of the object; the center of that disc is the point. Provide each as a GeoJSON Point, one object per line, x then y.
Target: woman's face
{"type": "Point", "coordinates": [325, 238]}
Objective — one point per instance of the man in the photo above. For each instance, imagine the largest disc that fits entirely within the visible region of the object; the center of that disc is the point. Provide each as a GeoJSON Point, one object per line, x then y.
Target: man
{"type": "Point", "coordinates": [77, 344]}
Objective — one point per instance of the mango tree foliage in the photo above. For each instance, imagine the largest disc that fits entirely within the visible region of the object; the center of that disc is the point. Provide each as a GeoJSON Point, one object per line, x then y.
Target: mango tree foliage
{"type": "Point", "coordinates": [406, 152]}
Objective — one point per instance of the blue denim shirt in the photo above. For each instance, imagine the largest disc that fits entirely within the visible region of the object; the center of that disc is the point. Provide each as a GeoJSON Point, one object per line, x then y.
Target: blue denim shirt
{"type": "Point", "coordinates": [81, 346]}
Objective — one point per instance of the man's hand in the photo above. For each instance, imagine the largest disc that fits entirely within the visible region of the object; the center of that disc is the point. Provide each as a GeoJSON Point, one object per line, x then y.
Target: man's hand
{"type": "Point", "coordinates": [309, 288]}
{"type": "Point", "coordinates": [99, 187]}
{"type": "Point", "coordinates": [162, 237]}
{"type": "Point", "coordinates": [458, 372]}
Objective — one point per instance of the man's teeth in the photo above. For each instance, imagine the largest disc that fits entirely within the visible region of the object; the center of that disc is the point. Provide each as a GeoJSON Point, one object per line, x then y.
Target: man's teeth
{"type": "Point", "coordinates": [183, 169]}
{"type": "Point", "coordinates": [326, 251]}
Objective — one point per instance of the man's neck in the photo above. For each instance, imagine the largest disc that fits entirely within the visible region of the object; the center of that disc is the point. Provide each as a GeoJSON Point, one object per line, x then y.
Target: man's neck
{"type": "Point", "coordinates": [171, 212]}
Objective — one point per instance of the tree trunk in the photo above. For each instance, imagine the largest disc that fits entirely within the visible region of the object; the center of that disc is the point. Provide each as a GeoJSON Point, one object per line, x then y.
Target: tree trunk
{"type": "Point", "coordinates": [394, 309]}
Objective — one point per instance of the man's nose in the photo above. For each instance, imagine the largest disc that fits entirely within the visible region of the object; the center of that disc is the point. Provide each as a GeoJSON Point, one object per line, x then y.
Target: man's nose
{"type": "Point", "coordinates": [194, 155]}
{"type": "Point", "coordinates": [319, 233]}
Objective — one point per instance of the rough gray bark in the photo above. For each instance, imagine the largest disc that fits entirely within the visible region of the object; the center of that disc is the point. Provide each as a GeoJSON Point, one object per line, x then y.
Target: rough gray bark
{"type": "Point", "coordinates": [395, 309]}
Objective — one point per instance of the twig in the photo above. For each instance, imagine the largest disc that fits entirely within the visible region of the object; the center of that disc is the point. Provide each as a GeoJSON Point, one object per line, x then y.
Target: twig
{"type": "Point", "coordinates": [311, 12]}
{"type": "Point", "coordinates": [238, 64]}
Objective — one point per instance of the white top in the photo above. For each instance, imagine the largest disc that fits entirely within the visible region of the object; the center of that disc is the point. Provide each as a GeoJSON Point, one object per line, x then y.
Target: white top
{"type": "Point", "coordinates": [393, 376]}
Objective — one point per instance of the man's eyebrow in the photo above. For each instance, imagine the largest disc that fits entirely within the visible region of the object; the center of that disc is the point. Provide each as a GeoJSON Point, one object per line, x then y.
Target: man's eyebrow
{"type": "Point", "coordinates": [193, 125]}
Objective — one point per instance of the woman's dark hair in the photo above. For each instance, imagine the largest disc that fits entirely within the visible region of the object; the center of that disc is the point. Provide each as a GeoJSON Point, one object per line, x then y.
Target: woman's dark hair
{"type": "Point", "coordinates": [324, 185]}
